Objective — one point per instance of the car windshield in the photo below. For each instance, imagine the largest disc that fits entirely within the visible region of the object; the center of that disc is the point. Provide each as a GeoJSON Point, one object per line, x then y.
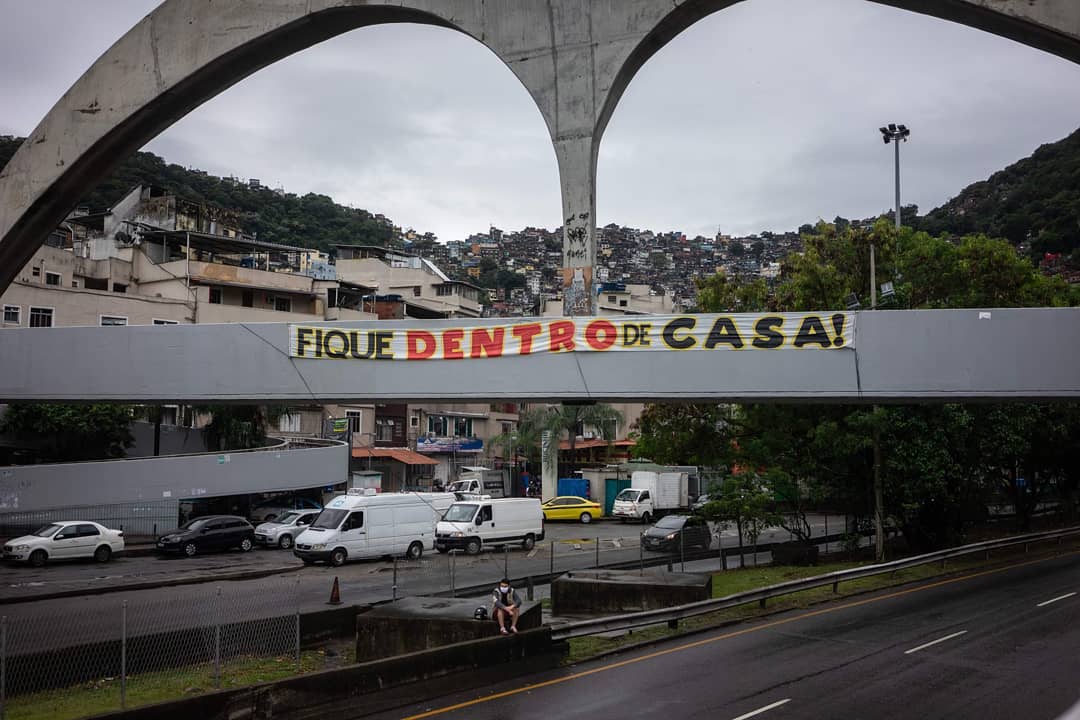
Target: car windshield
{"type": "Point", "coordinates": [288, 518]}
{"type": "Point", "coordinates": [627, 496]}
{"type": "Point", "coordinates": [193, 524]}
{"type": "Point", "coordinates": [329, 519]}
{"type": "Point", "coordinates": [672, 522]}
{"type": "Point", "coordinates": [46, 530]}
{"type": "Point", "coordinates": [460, 513]}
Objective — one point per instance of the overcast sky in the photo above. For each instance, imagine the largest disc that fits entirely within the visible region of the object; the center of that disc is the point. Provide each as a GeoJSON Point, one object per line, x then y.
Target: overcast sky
{"type": "Point", "coordinates": [762, 116]}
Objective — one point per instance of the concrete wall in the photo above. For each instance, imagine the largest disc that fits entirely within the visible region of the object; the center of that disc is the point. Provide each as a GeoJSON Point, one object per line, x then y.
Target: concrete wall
{"type": "Point", "coordinates": [26, 488]}
{"type": "Point", "coordinates": [83, 308]}
{"type": "Point", "coordinates": [896, 355]}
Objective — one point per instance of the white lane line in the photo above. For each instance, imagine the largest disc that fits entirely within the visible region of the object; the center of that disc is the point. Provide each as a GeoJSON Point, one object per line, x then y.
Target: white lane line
{"type": "Point", "coordinates": [1054, 600]}
{"type": "Point", "coordinates": [934, 642]}
{"type": "Point", "coordinates": [767, 708]}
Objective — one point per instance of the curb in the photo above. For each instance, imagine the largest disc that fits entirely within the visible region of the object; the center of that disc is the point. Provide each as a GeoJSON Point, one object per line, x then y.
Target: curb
{"type": "Point", "coordinates": [150, 585]}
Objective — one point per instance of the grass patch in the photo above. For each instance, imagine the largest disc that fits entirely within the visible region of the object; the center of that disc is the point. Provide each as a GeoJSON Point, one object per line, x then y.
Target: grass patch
{"type": "Point", "coordinates": [735, 581]}
{"type": "Point", "coordinates": [103, 695]}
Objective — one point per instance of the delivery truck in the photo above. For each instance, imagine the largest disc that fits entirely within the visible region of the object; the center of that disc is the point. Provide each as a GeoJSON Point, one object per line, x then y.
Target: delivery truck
{"type": "Point", "coordinates": [652, 495]}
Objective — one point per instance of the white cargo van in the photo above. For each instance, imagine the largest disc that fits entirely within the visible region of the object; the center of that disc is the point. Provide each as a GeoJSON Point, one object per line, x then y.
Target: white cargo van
{"type": "Point", "coordinates": [470, 525]}
{"type": "Point", "coordinates": [364, 524]}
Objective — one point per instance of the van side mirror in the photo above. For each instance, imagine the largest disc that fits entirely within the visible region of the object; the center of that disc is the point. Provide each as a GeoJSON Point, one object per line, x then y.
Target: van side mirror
{"type": "Point", "coordinates": [479, 520]}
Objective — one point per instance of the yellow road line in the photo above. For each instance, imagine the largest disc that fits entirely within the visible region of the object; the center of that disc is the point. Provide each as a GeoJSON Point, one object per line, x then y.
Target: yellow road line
{"type": "Point", "coordinates": [725, 636]}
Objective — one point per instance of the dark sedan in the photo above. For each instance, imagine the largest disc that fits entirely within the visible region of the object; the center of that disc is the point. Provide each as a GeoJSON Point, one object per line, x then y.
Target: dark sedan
{"type": "Point", "coordinates": [688, 530]}
{"type": "Point", "coordinates": [209, 533]}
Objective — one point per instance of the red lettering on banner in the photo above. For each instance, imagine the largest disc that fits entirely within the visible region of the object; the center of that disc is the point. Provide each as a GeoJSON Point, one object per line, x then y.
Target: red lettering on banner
{"type": "Point", "coordinates": [420, 345]}
{"type": "Point", "coordinates": [562, 335]}
{"type": "Point", "coordinates": [526, 333]}
{"type": "Point", "coordinates": [601, 334]}
{"type": "Point", "coordinates": [487, 342]}
{"type": "Point", "coordinates": [452, 344]}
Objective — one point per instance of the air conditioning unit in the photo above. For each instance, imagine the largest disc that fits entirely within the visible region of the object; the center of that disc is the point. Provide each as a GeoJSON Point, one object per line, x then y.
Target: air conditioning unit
{"type": "Point", "coordinates": [589, 435]}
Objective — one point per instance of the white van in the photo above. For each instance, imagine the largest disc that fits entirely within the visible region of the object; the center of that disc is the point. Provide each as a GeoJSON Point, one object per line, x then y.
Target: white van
{"type": "Point", "coordinates": [364, 524]}
{"type": "Point", "coordinates": [471, 524]}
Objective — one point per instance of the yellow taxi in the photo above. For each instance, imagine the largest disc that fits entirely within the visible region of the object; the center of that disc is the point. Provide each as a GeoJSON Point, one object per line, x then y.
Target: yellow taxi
{"type": "Point", "coordinates": [571, 507]}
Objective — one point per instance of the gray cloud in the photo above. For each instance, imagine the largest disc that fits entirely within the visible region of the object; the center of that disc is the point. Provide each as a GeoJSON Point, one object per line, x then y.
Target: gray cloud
{"type": "Point", "coordinates": [762, 116]}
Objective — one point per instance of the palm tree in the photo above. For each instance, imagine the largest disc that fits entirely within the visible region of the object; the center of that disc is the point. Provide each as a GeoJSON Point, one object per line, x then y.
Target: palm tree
{"type": "Point", "coordinates": [555, 420]}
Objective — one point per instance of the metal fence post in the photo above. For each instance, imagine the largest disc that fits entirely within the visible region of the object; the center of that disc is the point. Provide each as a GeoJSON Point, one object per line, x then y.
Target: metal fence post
{"type": "Point", "coordinates": [3, 667]}
{"type": "Point", "coordinates": [395, 579]}
{"type": "Point", "coordinates": [641, 553]}
{"type": "Point", "coordinates": [682, 550]}
{"type": "Point", "coordinates": [297, 624]}
{"type": "Point", "coordinates": [453, 568]}
{"type": "Point", "coordinates": [123, 655]}
{"type": "Point", "coordinates": [552, 573]}
{"type": "Point", "coordinates": [597, 553]}
{"type": "Point", "coordinates": [217, 643]}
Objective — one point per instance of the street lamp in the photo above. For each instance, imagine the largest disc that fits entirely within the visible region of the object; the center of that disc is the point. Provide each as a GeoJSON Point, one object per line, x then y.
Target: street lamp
{"type": "Point", "coordinates": [895, 134]}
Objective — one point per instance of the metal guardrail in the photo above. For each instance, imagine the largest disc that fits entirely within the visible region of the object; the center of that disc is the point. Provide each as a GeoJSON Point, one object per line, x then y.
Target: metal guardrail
{"type": "Point", "coordinates": [629, 621]}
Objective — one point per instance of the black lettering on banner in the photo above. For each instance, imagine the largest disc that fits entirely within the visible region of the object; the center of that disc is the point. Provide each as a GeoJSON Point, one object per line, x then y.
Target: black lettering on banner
{"type": "Point", "coordinates": [838, 325]}
{"type": "Point", "coordinates": [679, 343]}
{"type": "Point", "coordinates": [629, 334]}
{"type": "Point", "coordinates": [643, 338]}
{"type": "Point", "coordinates": [302, 340]}
{"type": "Point", "coordinates": [383, 339]}
{"type": "Point", "coordinates": [768, 332]}
{"type": "Point", "coordinates": [330, 351]}
{"type": "Point", "coordinates": [724, 331]}
{"type": "Point", "coordinates": [355, 342]}
{"type": "Point", "coordinates": [318, 343]}
{"type": "Point", "coordinates": [812, 332]}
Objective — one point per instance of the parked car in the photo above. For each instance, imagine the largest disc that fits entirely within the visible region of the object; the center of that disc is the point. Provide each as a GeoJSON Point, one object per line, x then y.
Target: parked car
{"type": "Point", "coordinates": [571, 507]}
{"type": "Point", "coordinates": [281, 532]}
{"type": "Point", "coordinates": [275, 507]}
{"type": "Point", "coordinates": [675, 531]}
{"type": "Point", "coordinates": [702, 501]}
{"type": "Point", "coordinates": [64, 541]}
{"type": "Point", "coordinates": [213, 532]}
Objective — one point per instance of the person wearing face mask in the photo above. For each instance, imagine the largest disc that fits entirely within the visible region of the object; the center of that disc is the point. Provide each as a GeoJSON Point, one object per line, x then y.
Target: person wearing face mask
{"type": "Point", "coordinates": [506, 605]}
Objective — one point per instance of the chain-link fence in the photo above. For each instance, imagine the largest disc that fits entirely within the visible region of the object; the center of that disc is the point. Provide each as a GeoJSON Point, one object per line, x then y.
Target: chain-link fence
{"type": "Point", "coordinates": [110, 654]}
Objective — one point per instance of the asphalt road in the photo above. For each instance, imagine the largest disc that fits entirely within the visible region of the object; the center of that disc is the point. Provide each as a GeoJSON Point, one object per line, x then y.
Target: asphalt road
{"type": "Point", "coordinates": [999, 644]}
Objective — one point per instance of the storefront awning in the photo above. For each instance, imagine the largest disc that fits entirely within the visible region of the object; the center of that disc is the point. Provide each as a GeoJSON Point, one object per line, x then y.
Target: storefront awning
{"type": "Point", "coordinates": [401, 455]}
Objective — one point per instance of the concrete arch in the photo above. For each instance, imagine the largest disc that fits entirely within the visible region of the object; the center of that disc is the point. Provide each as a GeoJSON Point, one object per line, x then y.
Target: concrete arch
{"type": "Point", "coordinates": [575, 57]}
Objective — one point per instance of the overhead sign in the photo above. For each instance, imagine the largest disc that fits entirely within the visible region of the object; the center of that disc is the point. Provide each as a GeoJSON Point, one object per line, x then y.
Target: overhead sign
{"type": "Point", "coordinates": [751, 331]}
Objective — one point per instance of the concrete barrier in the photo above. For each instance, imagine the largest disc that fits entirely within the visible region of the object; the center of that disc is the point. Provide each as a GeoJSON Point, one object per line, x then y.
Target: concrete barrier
{"type": "Point", "coordinates": [587, 592]}
{"type": "Point", "coordinates": [379, 685]}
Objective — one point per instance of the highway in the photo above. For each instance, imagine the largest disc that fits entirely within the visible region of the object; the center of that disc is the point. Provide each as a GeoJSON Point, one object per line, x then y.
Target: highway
{"type": "Point", "coordinates": [1003, 643]}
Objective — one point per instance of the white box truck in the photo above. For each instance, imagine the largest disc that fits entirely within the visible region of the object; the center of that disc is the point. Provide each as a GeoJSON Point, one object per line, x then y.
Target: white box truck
{"type": "Point", "coordinates": [475, 480]}
{"type": "Point", "coordinates": [365, 524]}
{"type": "Point", "coordinates": [470, 525]}
{"type": "Point", "coordinates": [651, 495]}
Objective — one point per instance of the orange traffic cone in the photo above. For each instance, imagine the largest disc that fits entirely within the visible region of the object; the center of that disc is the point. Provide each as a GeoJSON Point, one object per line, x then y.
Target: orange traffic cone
{"type": "Point", "coordinates": [335, 593]}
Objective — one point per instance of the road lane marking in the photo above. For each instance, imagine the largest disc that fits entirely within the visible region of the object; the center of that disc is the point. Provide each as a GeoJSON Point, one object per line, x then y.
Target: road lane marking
{"type": "Point", "coordinates": [767, 708]}
{"type": "Point", "coordinates": [934, 642]}
{"type": "Point", "coordinates": [726, 636]}
{"type": "Point", "coordinates": [1054, 600]}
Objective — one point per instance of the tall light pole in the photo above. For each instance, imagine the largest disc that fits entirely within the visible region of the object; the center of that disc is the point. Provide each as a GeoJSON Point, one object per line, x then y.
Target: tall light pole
{"type": "Point", "coordinates": [896, 134]}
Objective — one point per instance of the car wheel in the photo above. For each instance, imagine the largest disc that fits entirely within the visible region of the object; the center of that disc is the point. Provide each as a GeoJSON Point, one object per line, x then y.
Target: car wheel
{"type": "Point", "coordinates": [415, 551]}
{"type": "Point", "coordinates": [285, 542]}
{"type": "Point", "coordinates": [246, 545]}
{"type": "Point", "coordinates": [191, 549]}
{"type": "Point", "coordinates": [338, 557]}
{"type": "Point", "coordinates": [586, 518]}
{"type": "Point", "coordinates": [103, 554]}
{"type": "Point", "coordinates": [472, 547]}
{"type": "Point", "coordinates": [442, 550]}
{"type": "Point", "coordinates": [646, 519]}
{"type": "Point", "coordinates": [38, 558]}
{"type": "Point", "coordinates": [529, 543]}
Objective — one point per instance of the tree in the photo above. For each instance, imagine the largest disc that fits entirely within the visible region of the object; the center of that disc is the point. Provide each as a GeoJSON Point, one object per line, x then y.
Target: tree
{"type": "Point", "coordinates": [238, 427]}
{"type": "Point", "coordinates": [684, 434]}
{"type": "Point", "coordinates": [718, 293]}
{"type": "Point", "coordinates": [570, 419]}
{"type": "Point", "coordinates": [72, 433]}
{"type": "Point", "coordinates": [737, 248]}
{"type": "Point", "coordinates": [744, 500]}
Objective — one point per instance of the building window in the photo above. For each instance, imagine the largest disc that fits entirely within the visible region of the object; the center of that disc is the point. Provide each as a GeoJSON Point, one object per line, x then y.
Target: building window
{"type": "Point", "coordinates": [384, 430]}
{"type": "Point", "coordinates": [438, 426]}
{"type": "Point", "coordinates": [282, 304]}
{"type": "Point", "coordinates": [416, 291]}
{"type": "Point", "coordinates": [41, 317]}
{"type": "Point", "coordinates": [463, 427]}
{"type": "Point", "coordinates": [11, 314]}
{"type": "Point", "coordinates": [107, 320]}
{"type": "Point", "coordinates": [158, 321]}
{"type": "Point", "coordinates": [611, 298]}
{"type": "Point", "coordinates": [170, 414]}
{"type": "Point", "coordinates": [444, 290]}
{"type": "Point", "coordinates": [119, 287]}
{"type": "Point", "coordinates": [35, 271]}
{"type": "Point", "coordinates": [215, 296]}
{"type": "Point", "coordinates": [622, 303]}
{"type": "Point", "coordinates": [74, 283]}
{"type": "Point", "coordinates": [356, 420]}
{"type": "Point", "coordinates": [290, 422]}
{"type": "Point", "coordinates": [247, 298]}
{"type": "Point", "coordinates": [52, 278]}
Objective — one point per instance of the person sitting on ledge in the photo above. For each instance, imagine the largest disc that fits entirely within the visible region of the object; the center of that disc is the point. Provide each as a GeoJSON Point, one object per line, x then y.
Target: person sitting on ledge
{"type": "Point", "coordinates": [506, 605]}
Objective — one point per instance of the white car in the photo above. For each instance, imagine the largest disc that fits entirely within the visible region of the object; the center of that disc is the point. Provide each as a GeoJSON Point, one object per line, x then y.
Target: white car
{"type": "Point", "coordinates": [64, 541]}
{"type": "Point", "coordinates": [284, 530]}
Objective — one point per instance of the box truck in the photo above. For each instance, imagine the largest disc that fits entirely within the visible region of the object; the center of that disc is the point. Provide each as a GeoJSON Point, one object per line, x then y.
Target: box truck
{"type": "Point", "coordinates": [652, 495]}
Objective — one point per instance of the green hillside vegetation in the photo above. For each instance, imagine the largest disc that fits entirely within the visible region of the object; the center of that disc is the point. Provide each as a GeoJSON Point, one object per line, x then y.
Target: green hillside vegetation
{"type": "Point", "coordinates": [311, 220]}
{"type": "Point", "coordinates": [1035, 201]}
